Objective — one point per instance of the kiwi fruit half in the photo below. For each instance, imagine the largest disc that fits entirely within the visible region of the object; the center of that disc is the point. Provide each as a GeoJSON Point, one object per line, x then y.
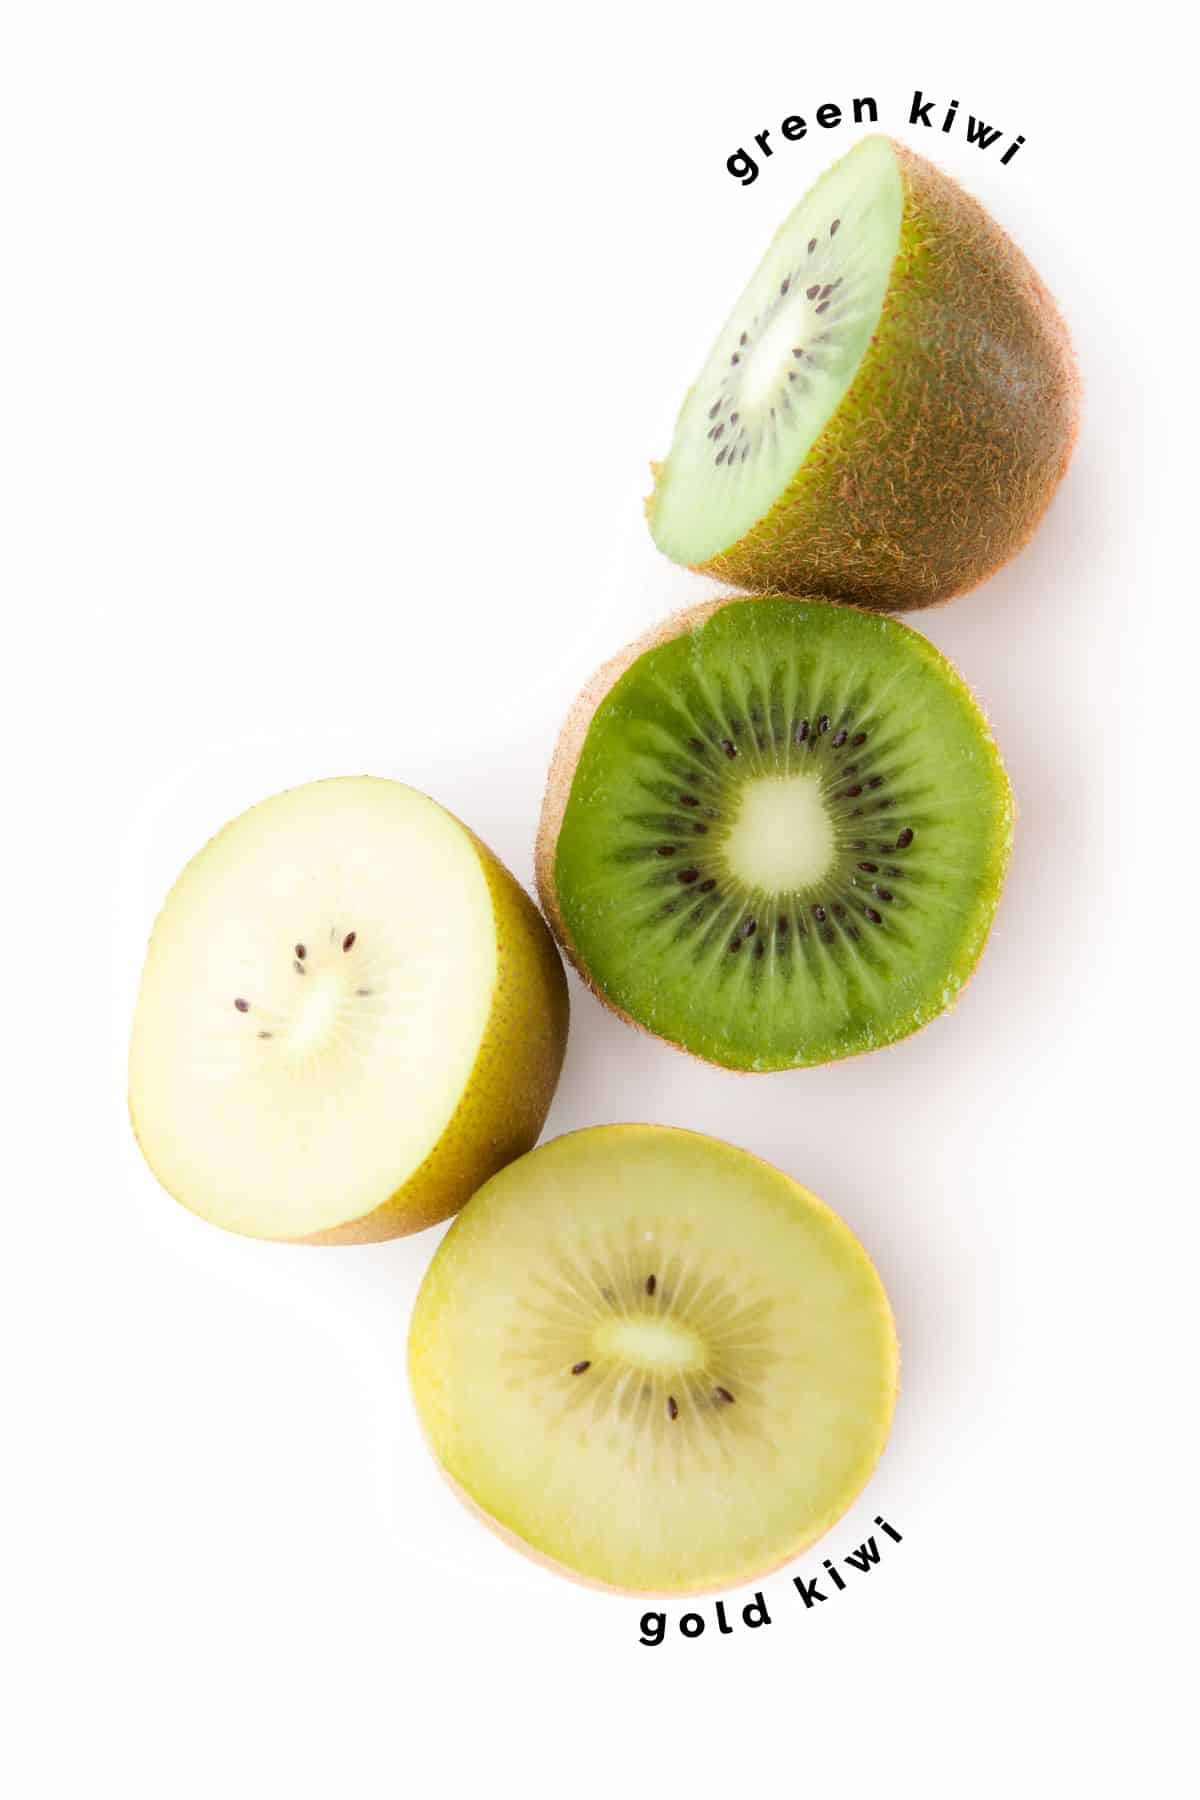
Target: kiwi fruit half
{"type": "Point", "coordinates": [775, 832]}
{"type": "Point", "coordinates": [350, 1016]}
{"type": "Point", "coordinates": [652, 1360]}
{"type": "Point", "coordinates": [889, 408]}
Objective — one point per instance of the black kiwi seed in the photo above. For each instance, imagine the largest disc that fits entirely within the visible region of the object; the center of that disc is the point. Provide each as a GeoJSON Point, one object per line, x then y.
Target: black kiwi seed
{"type": "Point", "coordinates": [760, 949]}
{"type": "Point", "coordinates": [735, 944]}
{"type": "Point", "coordinates": [242, 1005]}
{"type": "Point", "coordinates": [905, 839]}
{"type": "Point", "coordinates": [706, 887]}
{"type": "Point", "coordinates": [672, 1407]}
{"type": "Point", "coordinates": [301, 952]}
{"type": "Point", "coordinates": [833, 229]}
{"type": "Point", "coordinates": [749, 927]}
{"type": "Point", "coordinates": [666, 849]}
{"type": "Point", "coordinates": [688, 800]}
{"type": "Point", "coordinates": [723, 1394]}
{"type": "Point", "coordinates": [802, 731]}
{"type": "Point", "coordinates": [875, 918]}
{"type": "Point", "coordinates": [580, 1367]}
{"type": "Point", "coordinates": [819, 914]}
{"type": "Point", "coordinates": [651, 1283]}
{"type": "Point", "coordinates": [839, 738]}
{"type": "Point", "coordinates": [729, 747]}
{"type": "Point", "coordinates": [869, 868]}
{"type": "Point", "coordinates": [687, 876]}
{"type": "Point", "coordinates": [812, 244]}
{"type": "Point", "coordinates": [349, 940]}
{"type": "Point", "coordinates": [781, 925]}
{"type": "Point", "coordinates": [860, 737]}
{"type": "Point", "coordinates": [823, 723]}
{"type": "Point", "coordinates": [812, 292]}
{"type": "Point", "coordinates": [884, 894]}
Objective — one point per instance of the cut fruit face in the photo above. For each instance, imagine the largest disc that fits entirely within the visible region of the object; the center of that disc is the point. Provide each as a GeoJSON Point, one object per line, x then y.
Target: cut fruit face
{"type": "Point", "coordinates": [783, 837]}
{"type": "Point", "coordinates": [653, 1360]}
{"type": "Point", "coordinates": [888, 411]}
{"type": "Point", "coordinates": [784, 358]}
{"type": "Point", "coordinates": [318, 997]}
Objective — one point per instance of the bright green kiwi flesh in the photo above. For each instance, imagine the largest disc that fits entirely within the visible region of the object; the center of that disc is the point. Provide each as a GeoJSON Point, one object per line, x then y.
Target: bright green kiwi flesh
{"type": "Point", "coordinates": [652, 1360]}
{"type": "Point", "coordinates": [784, 835]}
{"type": "Point", "coordinates": [889, 408]}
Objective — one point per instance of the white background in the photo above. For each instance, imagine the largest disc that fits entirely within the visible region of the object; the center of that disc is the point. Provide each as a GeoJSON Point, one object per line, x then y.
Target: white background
{"type": "Point", "coordinates": [337, 342]}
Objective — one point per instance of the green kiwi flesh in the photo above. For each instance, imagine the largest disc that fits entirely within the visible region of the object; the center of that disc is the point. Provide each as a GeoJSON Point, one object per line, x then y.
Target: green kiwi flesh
{"type": "Point", "coordinates": [778, 835]}
{"type": "Point", "coordinates": [652, 1360]}
{"type": "Point", "coordinates": [889, 409]}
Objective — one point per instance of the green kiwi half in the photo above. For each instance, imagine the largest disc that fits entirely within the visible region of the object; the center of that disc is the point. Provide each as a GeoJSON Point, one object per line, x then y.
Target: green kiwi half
{"type": "Point", "coordinates": [652, 1360]}
{"type": "Point", "coordinates": [889, 408]}
{"type": "Point", "coordinates": [775, 832]}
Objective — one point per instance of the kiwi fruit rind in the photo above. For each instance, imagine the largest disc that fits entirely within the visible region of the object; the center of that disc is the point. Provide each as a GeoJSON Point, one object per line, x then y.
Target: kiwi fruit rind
{"type": "Point", "coordinates": [350, 1016]}
{"type": "Point", "coordinates": [652, 1361]}
{"type": "Point", "coordinates": [775, 832]}
{"type": "Point", "coordinates": [889, 408]}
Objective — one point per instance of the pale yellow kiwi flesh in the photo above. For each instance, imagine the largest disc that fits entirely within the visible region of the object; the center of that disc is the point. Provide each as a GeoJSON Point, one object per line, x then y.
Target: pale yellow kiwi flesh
{"type": "Point", "coordinates": [652, 1360]}
{"type": "Point", "coordinates": [350, 1016]}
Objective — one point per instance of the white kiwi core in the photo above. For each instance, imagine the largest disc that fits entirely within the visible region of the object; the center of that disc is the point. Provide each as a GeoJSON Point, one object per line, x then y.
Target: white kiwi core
{"type": "Point", "coordinates": [783, 837]}
{"type": "Point", "coordinates": [650, 1344]}
{"type": "Point", "coordinates": [315, 995]}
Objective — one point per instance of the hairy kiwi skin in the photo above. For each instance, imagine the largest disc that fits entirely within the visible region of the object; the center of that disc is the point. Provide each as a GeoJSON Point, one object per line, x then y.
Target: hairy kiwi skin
{"type": "Point", "coordinates": [948, 446]}
{"type": "Point", "coordinates": [508, 1093]}
{"type": "Point", "coordinates": [418, 1363]}
{"type": "Point", "coordinates": [562, 774]}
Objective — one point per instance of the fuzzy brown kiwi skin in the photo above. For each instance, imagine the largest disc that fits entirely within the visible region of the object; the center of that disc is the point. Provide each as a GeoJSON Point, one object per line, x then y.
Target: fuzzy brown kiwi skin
{"type": "Point", "coordinates": [565, 760]}
{"type": "Point", "coordinates": [944, 453]}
